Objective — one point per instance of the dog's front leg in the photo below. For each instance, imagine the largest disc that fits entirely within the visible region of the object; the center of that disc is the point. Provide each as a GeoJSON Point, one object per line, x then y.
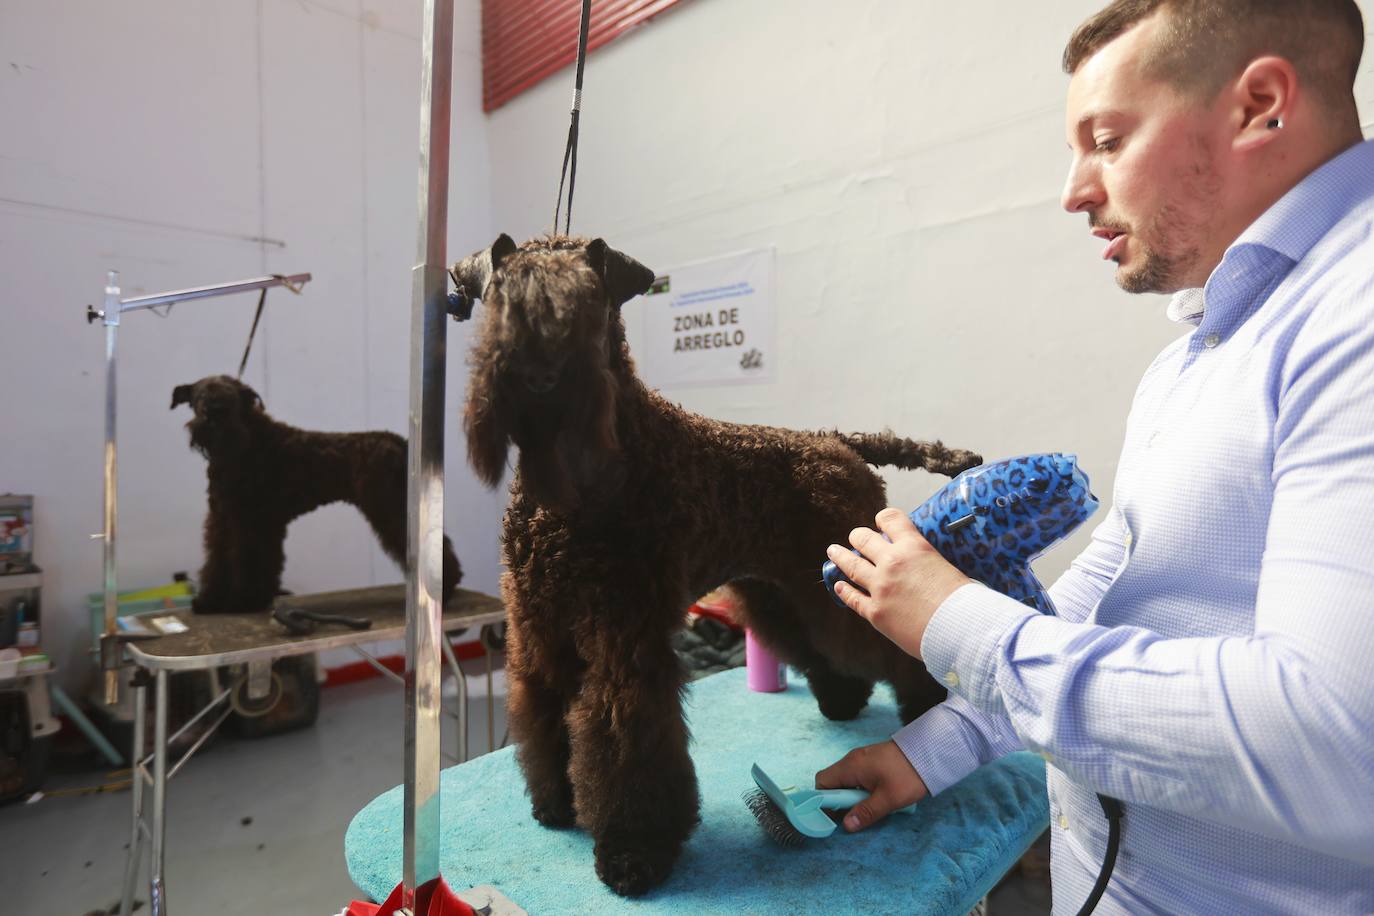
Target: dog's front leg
{"type": "Point", "coordinates": [215, 591]}
{"type": "Point", "coordinates": [536, 710]}
{"type": "Point", "coordinates": [261, 558]}
{"type": "Point", "coordinates": [635, 786]}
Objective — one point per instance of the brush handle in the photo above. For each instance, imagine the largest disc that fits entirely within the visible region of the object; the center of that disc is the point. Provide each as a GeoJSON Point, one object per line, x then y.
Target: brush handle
{"type": "Point", "coordinates": [848, 798]}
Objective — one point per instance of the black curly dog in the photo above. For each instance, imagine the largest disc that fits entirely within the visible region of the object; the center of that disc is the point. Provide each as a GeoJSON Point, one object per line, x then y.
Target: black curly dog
{"type": "Point", "coordinates": [624, 508]}
{"type": "Point", "coordinates": [263, 474]}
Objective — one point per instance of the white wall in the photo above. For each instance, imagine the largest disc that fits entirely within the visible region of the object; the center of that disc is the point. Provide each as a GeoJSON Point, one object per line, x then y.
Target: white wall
{"type": "Point", "coordinates": [906, 159]}
{"type": "Point", "coordinates": [202, 141]}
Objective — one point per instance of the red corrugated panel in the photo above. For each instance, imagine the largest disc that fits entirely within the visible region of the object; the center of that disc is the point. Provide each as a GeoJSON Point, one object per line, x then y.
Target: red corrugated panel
{"type": "Point", "coordinates": [523, 41]}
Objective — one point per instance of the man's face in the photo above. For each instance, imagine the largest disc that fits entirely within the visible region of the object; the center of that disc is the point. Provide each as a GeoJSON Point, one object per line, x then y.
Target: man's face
{"type": "Point", "coordinates": [1147, 168]}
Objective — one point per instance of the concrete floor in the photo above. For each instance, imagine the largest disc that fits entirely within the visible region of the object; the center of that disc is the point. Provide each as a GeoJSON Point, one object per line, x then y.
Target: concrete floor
{"type": "Point", "coordinates": [253, 826]}
{"type": "Point", "coordinates": [257, 826]}
{"type": "Point", "coordinates": [1026, 890]}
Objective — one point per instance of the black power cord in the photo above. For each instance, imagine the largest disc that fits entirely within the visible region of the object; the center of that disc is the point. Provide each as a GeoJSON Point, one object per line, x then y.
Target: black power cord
{"type": "Point", "coordinates": [1112, 809]}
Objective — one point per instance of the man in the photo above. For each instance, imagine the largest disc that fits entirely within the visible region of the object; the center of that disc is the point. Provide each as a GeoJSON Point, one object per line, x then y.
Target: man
{"type": "Point", "coordinates": [1209, 662]}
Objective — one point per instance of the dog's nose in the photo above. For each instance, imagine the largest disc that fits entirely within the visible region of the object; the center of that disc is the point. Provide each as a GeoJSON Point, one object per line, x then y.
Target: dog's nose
{"type": "Point", "coordinates": [540, 381]}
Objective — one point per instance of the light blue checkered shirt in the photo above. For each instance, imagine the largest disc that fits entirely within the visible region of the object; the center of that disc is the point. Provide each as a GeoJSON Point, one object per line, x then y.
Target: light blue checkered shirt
{"type": "Point", "coordinates": [1211, 662]}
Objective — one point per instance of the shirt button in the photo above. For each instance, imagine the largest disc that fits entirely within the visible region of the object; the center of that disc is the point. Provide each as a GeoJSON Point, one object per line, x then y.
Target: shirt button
{"type": "Point", "coordinates": [1129, 537]}
{"type": "Point", "coordinates": [1063, 822]}
{"type": "Point", "coordinates": [952, 679]}
{"type": "Point", "coordinates": [1047, 756]}
{"type": "Point", "coordinates": [1211, 340]}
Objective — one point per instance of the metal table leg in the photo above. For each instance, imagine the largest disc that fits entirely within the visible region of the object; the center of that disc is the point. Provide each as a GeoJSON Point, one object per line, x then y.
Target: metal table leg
{"type": "Point", "coordinates": [126, 897]}
{"type": "Point", "coordinates": [491, 643]}
{"type": "Point", "coordinates": [157, 891]}
{"type": "Point", "coordinates": [461, 685]}
{"type": "Point", "coordinates": [491, 705]}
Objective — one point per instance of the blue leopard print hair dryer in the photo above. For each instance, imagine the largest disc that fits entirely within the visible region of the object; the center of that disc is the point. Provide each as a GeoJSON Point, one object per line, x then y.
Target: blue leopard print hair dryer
{"type": "Point", "coordinates": [992, 520]}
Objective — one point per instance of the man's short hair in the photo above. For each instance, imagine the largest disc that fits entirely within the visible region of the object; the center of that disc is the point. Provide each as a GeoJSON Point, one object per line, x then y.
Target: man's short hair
{"type": "Point", "coordinates": [1205, 43]}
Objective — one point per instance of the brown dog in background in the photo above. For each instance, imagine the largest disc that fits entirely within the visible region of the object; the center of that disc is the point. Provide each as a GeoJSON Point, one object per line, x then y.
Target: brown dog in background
{"type": "Point", "coordinates": [263, 474]}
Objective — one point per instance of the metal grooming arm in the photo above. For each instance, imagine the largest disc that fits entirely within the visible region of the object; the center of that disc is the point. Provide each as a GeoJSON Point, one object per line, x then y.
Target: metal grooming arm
{"type": "Point", "coordinates": [424, 561]}
{"type": "Point", "coordinates": [109, 315]}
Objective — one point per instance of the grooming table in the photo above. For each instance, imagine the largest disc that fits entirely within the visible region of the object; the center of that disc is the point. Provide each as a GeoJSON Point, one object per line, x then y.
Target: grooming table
{"type": "Point", "coordinates": [942, 860]}
{"type": "Point", "coordinates": [250, 643]}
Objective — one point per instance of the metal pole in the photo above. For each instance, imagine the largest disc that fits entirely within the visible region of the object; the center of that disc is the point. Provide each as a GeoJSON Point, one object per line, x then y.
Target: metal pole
{"type": "Point", "coordinates": [205, 292]}
{"type": "Point", "coordinates": [424, 579]}
{"type": "Point", "coordinates": [126, 897]}
{"type": "Point", "coordinates": [111, 652]}
{"type": "Point", "coordinates": [109, 649]}
{"type": "Point", "coordinates": [158, 892]}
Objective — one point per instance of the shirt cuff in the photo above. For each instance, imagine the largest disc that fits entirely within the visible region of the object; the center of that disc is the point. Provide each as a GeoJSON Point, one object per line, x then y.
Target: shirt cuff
{"type": "Point", "coordinates": [937, 747]}
{"type": "Point", "coordinates": [962, 643]}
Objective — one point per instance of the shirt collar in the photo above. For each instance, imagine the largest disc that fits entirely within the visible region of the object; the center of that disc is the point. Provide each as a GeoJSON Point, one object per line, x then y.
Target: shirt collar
{"type": "Point", "coordinates": [1186, 306]}
{"type": "Point", "coordinates": [1312, 206]}
{"type": "Point", "coordinates": [1276, 241]}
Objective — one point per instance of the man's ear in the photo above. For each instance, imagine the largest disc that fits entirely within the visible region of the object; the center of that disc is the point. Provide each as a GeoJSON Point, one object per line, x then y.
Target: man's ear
{"type": "Point", "coordinates": [1263, 98]}
{"type": "Point", "coordinates": [181, 394]}
{"type": "Point", "coordinates": [622, 276]}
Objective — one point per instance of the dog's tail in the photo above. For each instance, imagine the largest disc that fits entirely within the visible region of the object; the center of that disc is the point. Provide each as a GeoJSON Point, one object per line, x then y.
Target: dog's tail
{"type": "Point", "coordinates": [888, 450]}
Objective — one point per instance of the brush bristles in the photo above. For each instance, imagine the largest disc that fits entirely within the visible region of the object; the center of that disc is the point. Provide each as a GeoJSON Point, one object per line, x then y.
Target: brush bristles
{"type": "Point", "coordinates": [772, 820]}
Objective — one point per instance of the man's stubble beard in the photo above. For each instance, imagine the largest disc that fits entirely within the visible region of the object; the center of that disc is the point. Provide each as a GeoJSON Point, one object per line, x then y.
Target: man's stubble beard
{"type": "Point", "coordinates": [1182, 223]}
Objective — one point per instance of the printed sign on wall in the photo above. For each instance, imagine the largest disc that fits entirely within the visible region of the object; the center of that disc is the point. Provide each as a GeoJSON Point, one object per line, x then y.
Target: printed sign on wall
{"type": "Point", "coordinates": [712, 323]}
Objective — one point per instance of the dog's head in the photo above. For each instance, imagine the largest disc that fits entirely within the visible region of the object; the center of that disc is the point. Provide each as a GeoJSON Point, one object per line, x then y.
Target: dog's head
{"type": "Point", "coordinates": [544, 364]}
{"type": "Point", "coordinates": [224, 408]}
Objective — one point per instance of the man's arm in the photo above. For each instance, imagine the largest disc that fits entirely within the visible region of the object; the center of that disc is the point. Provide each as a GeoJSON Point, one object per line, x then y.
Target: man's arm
{"type": "Point", "coordinates": [953, 739]}
{"type": "Point", "coordinates": [1272, 732]}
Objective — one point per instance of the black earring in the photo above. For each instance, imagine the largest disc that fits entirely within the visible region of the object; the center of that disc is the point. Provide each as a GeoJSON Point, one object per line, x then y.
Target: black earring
{"type": "Point", "coordinates": [1275, 123]}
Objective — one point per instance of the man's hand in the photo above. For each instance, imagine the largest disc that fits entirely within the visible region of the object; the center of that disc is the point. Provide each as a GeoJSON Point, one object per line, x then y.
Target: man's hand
{"type": "Point", "coordinates": [902, 581]}
{"type": "Point", "coordinates": [885, 772]}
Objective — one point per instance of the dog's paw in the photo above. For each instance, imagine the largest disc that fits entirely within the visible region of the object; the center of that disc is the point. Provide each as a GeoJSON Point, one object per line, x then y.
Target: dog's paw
{"type": "Point", "coordinates": [206, 604]}
{"type": "Point", "coordinates": [841, 710]}
{"type": "Point", "coordinates": [839, 698]}
{"type": "Point", "coordinates": [631, 872]}
{"type": "Point", "coordinates": [557, 815]}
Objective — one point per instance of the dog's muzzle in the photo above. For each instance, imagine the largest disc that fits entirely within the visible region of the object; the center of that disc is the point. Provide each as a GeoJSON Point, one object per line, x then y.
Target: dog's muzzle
{"type": "Point", "coordinates": [539, 381]}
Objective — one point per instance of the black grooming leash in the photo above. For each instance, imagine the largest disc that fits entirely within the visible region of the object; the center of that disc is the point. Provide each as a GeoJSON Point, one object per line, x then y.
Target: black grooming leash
{"type": "Point", "coordinates": [300, 622]}
{"type": "Point", "coordinates": [1111, 808]}
{"type": "Point", "coordinates": [248, 347]}
{"type": "Point", "coordinates": [262, 300]}
{"type": "Point", "coordinates": [570, 151]}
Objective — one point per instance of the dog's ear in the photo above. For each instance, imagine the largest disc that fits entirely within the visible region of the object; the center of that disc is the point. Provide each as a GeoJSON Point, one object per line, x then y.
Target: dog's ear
{"type": "Point", "coordinates": [472, 274]}
{"type": "Point", "coordinates": [622, 276]}
{"type": "Point", "coordinates": [251, 400]}
{"type": "Point", "coordinates": [181, 394]}
{"type": "Point", "coordinates": [500, 249]}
